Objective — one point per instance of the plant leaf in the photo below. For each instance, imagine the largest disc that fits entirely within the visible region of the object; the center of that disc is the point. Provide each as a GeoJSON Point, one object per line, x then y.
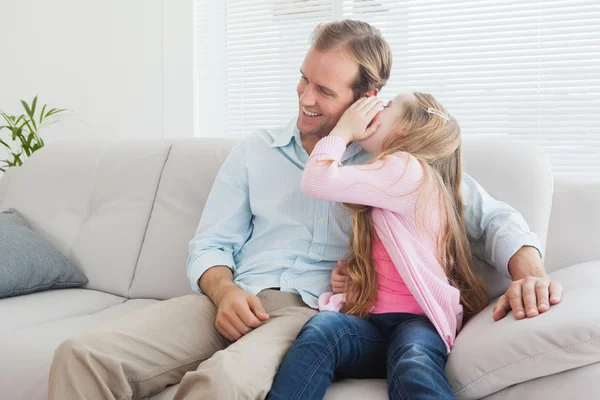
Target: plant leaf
{"type": "Point", "coordinates": [42, 113]}
{"type": "Point", "coordinates": [30, 138]}
{"type": "Point", "coordinates": [17, 159]}
{"type": "Point", "coordinates": [55, 111]}
{"type": "Point", "coordinates": [21, 117]}
{"type": "Point", "coordinates": [16, 132]}
{"type": "Point", "coordinates": [7, 118]}
{"type": "Point", "coordinates": [26, 107]}
{"type": "Point", "coordinates": [33, 104]}
{"type": "Point", "coordinates": [30, 112]}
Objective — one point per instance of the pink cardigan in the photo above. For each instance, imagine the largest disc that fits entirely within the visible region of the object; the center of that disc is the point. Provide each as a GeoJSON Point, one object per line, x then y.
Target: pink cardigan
{"type": "Point", "coordinates": [388, 185]}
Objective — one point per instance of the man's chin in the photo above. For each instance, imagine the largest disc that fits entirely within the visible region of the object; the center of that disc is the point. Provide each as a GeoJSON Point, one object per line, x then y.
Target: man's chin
{"type": "Point", "coordinates": [312, 130]}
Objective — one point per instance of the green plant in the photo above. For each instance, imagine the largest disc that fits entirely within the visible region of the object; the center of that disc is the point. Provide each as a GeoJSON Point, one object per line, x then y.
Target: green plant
{"type": "Point", "coordinates": [25, 131]}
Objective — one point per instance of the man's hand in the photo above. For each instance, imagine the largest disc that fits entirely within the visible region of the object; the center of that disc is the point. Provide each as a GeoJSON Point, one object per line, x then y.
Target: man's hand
{"type": "Point", "coordinates": [238, 312]}
{"type": "Point", "coordinates": [531, 292]}
{"type": "Point", "coordinates": [339, 278]}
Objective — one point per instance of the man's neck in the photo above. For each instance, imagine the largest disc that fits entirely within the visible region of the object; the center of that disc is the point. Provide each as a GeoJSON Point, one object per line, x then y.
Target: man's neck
{"type": "Point", "coordinates": [310, 141]}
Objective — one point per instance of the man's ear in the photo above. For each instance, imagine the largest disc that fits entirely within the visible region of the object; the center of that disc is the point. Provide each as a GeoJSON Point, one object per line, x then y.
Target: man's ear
{"type": "Point", "coordinates": [373, 92]}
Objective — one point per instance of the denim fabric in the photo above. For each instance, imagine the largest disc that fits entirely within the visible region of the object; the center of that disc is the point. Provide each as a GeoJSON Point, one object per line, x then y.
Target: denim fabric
{"type": "Point", "coordinates": [404, 347]}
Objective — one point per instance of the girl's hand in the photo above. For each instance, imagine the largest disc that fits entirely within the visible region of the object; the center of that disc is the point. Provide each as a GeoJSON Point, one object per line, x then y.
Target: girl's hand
{"type": "Point", "coordinates": [339, 278]}
{"type": "Point", "coordinates": [352, 126]}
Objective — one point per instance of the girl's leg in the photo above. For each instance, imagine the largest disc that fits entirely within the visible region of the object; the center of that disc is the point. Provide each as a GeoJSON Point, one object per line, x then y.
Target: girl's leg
{"type": "Point", "coordinates": [416, 362]}
{"type": "Point", "coordinates": [329, 342]}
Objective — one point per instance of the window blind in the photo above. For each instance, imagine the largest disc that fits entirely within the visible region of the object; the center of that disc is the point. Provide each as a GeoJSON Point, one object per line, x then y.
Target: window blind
{"type": "Point", "coordinates": [529, 70]}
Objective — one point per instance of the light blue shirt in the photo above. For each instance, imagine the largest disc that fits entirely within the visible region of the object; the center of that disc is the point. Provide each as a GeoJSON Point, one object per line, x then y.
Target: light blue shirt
{"type": "Point", "coordinates": [258, 222]}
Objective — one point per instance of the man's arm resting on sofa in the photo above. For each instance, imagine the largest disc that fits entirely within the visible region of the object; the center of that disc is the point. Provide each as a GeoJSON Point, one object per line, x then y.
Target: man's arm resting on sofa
{"type": "Point", "coordinates": [500, 236]}
{"type": "Point", "coordinates": [531, 292]}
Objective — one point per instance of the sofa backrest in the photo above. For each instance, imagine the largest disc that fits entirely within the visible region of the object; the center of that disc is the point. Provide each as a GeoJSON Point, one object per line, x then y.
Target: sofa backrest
{"type": "Point", "coordinates": [126, 211]}
{"type": "Point", "coordinates": [574, 231]}
{"type": "Point", "coordinates": [91, 200]}
{"type": "Point", "coordinates": [186, 182]}
{"type": "Point", "coordinates": [517, 174]}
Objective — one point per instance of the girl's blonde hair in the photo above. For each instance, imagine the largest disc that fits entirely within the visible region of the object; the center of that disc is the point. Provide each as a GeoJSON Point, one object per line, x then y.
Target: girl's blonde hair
{"type": "Point", "coordinates": [435, 141]}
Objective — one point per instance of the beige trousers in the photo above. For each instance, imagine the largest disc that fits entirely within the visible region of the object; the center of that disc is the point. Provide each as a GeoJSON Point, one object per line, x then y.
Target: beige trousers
{"type": "Point", "coordinates": [172, 341]}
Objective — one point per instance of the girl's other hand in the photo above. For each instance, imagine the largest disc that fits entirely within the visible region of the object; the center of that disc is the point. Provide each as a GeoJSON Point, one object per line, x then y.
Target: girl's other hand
{"type": "Point", "coordinates": [339, 278]}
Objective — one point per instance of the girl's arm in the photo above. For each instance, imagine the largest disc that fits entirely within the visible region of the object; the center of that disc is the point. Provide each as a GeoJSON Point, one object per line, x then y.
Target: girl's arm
{"type": "Point", "coordinates": [391, 183]}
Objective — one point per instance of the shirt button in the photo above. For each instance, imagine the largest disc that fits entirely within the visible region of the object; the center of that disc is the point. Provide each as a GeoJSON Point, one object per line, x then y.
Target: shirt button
{"type": "Point", "coordinates": [321, 220]}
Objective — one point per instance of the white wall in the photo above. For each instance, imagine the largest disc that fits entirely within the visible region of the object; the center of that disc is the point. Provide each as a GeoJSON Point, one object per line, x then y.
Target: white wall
{"type": "Point", "coordinates": [124, 67]}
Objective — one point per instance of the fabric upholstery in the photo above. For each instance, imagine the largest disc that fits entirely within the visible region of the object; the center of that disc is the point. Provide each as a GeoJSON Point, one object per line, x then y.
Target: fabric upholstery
{"type": "Point", "coordinates": [489, 356]}
{"type": "Point", "coordinates": [24, 311]}
{"type": "Point", "coordinates": [574, 225]}
{"type": "Point", "coordinates": [27, 352]}
{"type": "Point", "coordinates": [91, 200]}
{"type": "Point", "coordinates": [578, 384]}
{"type": "Point", "coordinates": [186, 181]}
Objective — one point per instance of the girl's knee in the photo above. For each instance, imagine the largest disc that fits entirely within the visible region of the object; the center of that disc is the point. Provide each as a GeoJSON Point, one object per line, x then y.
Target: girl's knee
{"type": "Point", "coordinates": [323, 325]}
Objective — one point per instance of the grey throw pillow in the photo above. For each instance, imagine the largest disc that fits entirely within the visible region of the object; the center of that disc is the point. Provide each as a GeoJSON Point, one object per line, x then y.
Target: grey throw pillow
{"type": "Point", "coordinates": [28, 263]}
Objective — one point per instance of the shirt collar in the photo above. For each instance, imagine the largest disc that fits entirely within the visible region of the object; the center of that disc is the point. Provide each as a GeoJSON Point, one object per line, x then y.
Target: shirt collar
{"type": "Point", "coordinates": [286, 134]}
{"type": "Point", "coordinates": [291, 131]}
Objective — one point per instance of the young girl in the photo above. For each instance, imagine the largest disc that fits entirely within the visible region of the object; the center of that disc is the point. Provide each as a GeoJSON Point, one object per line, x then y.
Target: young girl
{"type": "Point", "coordinates": [409, 273]}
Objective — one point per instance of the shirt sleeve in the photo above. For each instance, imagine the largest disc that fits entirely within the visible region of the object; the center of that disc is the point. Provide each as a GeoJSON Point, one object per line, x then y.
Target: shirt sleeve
{"type": "Point", "coordinates": [226, 222]}
{"type": "Point", "coordinates": [390, 183]}
{"type": "Point", "coordinates": [496, 231]}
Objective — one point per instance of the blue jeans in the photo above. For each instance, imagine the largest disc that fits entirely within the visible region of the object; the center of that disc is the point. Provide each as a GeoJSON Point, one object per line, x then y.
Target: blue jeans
{"type": "Point", "coordinates": [404, 347]}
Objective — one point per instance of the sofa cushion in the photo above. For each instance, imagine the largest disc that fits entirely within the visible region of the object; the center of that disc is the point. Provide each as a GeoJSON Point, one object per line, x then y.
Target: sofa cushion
{"type": "Point", "coordinates": [578, 384]}
{"type": "Point", "coordinates": [36, 308]}
{"type": "Point", "coordinates": [4, 179]}
{"type": "Point", "coordinates": [186, 181]}
{"type": "Point", "coordinates": [91, 200]}
{"type": "Point", "coordinates": [489, 356]}
{"type": "Point", "coordinates": [348, 389]}
{"type": "Point", "coordinates": [28, 263]}
{"type": "Point", "coordinates": [27, 353]}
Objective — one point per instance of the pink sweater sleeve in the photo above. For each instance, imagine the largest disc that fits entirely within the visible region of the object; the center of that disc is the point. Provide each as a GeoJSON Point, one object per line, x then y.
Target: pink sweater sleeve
{"type": "Point", "coordinates": [391, 183]}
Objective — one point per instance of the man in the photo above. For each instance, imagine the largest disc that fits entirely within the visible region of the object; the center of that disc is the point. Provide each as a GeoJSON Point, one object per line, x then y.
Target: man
{"type": "Point", "coordinates": [264, 252]}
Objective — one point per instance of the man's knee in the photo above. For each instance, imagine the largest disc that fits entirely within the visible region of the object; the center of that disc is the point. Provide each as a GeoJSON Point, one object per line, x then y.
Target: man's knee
{"type": "Point", "coordinates": [68, 351]}
{"type": "Point", "coordinates": [75, 351]}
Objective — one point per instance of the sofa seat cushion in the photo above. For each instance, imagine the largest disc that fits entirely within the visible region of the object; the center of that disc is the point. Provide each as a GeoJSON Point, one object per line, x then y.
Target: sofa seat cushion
{"type": "Point", "coordinates": [348, 389]}
{"type": "Point", "coordinates": [578, 384]}
{"type": "Point", "coordinates": [36, 308]}
{"type": "Point", "coordinates": [489, 356]}
{"type": "Point", "coordinates": [27, 352]}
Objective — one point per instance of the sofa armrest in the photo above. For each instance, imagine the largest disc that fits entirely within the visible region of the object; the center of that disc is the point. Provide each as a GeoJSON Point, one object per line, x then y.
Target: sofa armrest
{"type": "Point", "coordinates": [4, 181]}
{"type": "Point", "coordinates": [574, 223]}
{"type": "Point", "coordinates": [489, 356]}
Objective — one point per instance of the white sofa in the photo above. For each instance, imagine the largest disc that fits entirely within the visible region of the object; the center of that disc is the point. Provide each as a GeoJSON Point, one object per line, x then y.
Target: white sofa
{"type": "Point", "coordinates": [124, 212]}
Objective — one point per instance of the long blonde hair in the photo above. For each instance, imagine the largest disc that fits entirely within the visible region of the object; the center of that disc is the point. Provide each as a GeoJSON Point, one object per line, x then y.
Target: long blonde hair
{"type": "Point", "coordinates": [436, 143]}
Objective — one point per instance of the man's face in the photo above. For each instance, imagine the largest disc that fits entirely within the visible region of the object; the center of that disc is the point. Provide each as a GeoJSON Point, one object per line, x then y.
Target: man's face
{"type": "Point", "coordinates": [324, 90]}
